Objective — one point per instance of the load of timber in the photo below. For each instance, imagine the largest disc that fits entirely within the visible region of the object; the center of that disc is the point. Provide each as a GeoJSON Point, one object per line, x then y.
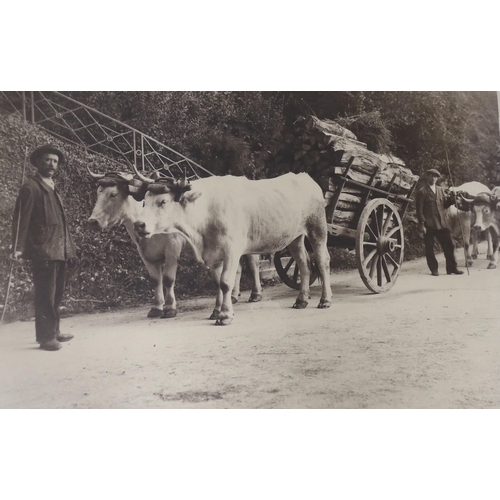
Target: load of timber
{"type": "Point", "coordinates": [322, 148]}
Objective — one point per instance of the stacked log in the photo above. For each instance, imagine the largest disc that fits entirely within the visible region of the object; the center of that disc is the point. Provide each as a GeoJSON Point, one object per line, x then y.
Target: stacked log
{"type": "Point", "coordinates": [323, 148]}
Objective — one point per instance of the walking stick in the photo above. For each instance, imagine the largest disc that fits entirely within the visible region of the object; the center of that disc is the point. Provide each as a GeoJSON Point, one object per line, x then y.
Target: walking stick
{"type": "Point", "coordinates": [458, 212]}
{"type": "Point", "coordinates": [15, 242]}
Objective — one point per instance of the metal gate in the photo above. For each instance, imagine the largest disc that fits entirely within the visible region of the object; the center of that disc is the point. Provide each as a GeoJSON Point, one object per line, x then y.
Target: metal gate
{"type": "Point", "coordinates": [79, 124]}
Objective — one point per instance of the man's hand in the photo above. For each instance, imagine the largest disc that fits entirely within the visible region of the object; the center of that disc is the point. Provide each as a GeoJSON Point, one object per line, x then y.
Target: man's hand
{"type": "Point", "coordinates": [16, 255]}
{"type": "Point", "coordinates": [73, 262]}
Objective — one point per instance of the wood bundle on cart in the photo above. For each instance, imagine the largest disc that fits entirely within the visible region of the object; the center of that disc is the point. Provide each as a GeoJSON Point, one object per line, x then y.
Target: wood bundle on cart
{"type": "Point", "coordinates": [323, 148]}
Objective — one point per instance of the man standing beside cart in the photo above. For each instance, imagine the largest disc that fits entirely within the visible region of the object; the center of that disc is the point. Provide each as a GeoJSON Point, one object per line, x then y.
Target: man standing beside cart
{"type": "Point", "coordinates": [431, 201]}
{"type": "Point", "coordinates": [40, 234]}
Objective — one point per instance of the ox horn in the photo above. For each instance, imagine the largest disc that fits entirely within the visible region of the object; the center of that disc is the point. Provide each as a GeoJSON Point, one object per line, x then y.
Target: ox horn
{"type": "Point", "coordinates": [95, 176]}
{"type": "Point", "coordinates": [467, 200]}
{"type": "Point", "coordinates": [143, 178]}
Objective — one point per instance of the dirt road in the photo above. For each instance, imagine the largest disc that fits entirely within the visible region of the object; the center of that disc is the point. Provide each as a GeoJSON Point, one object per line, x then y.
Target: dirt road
{"type": "Point", "coordinates": [427, 343]}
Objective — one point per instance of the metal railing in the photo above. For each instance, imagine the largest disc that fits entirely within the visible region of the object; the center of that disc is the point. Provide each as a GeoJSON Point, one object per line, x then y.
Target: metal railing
{"type": "Point", "coordinates": [97, 132]}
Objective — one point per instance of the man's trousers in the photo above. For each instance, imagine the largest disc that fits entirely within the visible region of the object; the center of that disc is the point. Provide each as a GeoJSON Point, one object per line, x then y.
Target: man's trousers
{"type": "Point", "coordinates": [444, 238]}
{"type": "Point", "coordinates": [49, 279]}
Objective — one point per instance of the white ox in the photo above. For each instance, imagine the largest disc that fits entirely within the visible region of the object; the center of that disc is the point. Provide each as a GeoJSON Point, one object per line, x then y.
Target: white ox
{"type": "Point", "coordinates": [116, 205]}
{"type": "Point", "coordinates": [459, 220]}
{"type": "Point", "coordinates": [226, 217]}
{"type": "Point", "coordinates": [486, 212]}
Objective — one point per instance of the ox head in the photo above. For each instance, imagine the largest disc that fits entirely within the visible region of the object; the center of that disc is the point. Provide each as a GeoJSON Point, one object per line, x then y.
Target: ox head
{"type": "Point", "coordinates": [166, 201]}
{"type": "Point", "coordinates": [485, 210]}
{"type": "Point", "coordinates": [115, 194]}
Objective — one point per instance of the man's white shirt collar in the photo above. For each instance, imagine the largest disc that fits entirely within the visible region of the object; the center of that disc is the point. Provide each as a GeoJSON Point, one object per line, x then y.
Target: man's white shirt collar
{"type": "Point", "coordinates": [48, 181]}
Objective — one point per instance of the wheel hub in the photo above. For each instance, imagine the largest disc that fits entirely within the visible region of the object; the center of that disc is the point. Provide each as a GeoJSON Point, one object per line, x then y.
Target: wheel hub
{"type": "Point", "coordinates": [385, 245]}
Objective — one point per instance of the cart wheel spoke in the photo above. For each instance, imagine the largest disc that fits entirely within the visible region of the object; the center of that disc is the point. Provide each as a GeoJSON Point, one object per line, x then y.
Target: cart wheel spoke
{"type": "Point", "coordinates": [369, 257]}
{"type": "Point", "coordinates": [375, 216]}
{"type": "Point", "coordinates": [371, 231]}
{"type": "Point", "coordinates": [393, 231]}
{"type": "Point", "coordinates": [393, 262]}
{"type": "Point", "coordinates": [387, 222]}
{"type": "Point", "coordinates": [386, 269]}
{"type": "Point", "coordinates": [373, 266]}
{"type": "Point", "coordinates": [287, 267]}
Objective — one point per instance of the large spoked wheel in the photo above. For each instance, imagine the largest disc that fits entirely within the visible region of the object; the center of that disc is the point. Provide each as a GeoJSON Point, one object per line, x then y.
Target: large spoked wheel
{"type": "Point", "coordinates": [379, 245]}
{"type": "Point", "coordinates": [289, 272]}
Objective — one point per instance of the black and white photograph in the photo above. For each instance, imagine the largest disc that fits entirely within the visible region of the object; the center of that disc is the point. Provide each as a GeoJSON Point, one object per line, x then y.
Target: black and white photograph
{"type": "Point", "coordinates": [224, 289]}
{"type": "Point", "coordinates": [304, 250]}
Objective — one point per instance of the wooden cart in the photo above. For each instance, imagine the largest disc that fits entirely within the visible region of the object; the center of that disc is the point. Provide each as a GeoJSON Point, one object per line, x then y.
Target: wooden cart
{"type": "Point", "coordinates": [374, 229]}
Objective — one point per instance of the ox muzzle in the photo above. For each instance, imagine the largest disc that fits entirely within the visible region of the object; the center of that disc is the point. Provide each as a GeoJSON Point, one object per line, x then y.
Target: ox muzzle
{"type": "Point", "coordinates": [141, 230]}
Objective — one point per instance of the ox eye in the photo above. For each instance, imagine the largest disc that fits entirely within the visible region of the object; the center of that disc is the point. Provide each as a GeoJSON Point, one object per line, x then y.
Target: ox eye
{"type": "Point", "coordinates": [113, 195]}
{"type": "Point", "coordinates": [162, 203]}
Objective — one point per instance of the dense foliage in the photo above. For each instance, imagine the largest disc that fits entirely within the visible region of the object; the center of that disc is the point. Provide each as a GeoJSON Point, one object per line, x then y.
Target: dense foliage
{"type": "Point", "coordinates": [230, 132]}
{"type": "Point", "coordinates": [456, 132]}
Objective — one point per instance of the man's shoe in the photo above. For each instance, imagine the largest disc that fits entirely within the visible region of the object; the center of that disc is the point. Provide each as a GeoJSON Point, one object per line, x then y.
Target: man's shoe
{"type": "Point", "coordinates": [65, 337]}
{"type": "Point", "coordinates": [434, 273]}
{"type": "Point", "coordinates": [50, 345]}
{"type": "Point", "coordinates": [456, 271]}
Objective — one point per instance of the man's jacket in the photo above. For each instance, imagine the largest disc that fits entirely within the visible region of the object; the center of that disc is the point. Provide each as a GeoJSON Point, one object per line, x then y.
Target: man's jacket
{"type": "Point", "coordinates": [431, 206]}
{"type": "Point", "coordinates": [43, 229]}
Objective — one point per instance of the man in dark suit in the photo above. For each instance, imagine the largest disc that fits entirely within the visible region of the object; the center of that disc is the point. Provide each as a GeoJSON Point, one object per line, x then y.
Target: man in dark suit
{"type": "Point", "coordinates": [40, 234]}
{"type": "Point", "coordinates": [431, 203]}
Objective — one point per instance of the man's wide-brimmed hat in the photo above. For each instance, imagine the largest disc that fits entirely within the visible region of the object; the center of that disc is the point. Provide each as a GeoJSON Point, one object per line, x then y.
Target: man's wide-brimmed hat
{"type": "Point", "coordinates": [47, 149]}
{"type": "Point", "coordinates": [433, 172]}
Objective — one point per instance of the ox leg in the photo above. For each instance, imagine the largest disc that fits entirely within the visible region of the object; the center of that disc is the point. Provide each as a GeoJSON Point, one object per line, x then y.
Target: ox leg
{"type": "Point", "coordinates": [299, 254]}
{"type": "Point", "coordinates": [253, 264]}
{"type": "Point", "coordinates": [494, 257]}
{"type": "Point", "coordinates": [169, 275]}
{"type": "Point", "coordinates": [322, 257]}
{"type": "Point", "coordinates": [228, 275]}
{"type": "Point", "coordinates": [216, 275]}
{"type": "Point", "coordinates": [474, 236]}
{"type": "Point", "coordinates": [487, 234]}
{"type": "Point", "coordinates": [155, 273]}
{"type": "Point", "coordinates": [235, 294]}
{"type": "Point", "coordinates": [468, 235]}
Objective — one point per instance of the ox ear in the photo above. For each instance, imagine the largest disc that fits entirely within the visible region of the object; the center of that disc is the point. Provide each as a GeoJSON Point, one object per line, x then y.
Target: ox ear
{"type": "Point", "coordinates": [189, 197]}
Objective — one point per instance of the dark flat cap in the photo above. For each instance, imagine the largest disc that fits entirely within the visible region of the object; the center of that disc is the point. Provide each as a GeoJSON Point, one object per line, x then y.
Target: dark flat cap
{"type": "Point", "coordinates": [47, 149]}
{"type": "Point", "coordinates": [433, 172]}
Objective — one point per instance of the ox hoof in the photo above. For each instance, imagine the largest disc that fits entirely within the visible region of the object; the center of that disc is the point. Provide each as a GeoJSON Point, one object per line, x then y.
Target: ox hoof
{"type": "Point", "coordinates": [470, 263]}
{"type": "Point", "coordinates": [300, 304]}
{"type": "Point", "coordinates": [234, 299]}
{"type": "Point", "coordinates": [223, 320]}
{"type": "Point", "coordinates": [488, 257]}
{"type": "Point", "coordinates": [155, 313]}
{"type": "Point", "coordinates": [324, 304]}
{"type": "Point", "coordinates": [474, 256]}
{"type": "Point", "coordinates": [169, 313]}
{"type": "Point", "coordinates": [492, 266]}
{"type": "Point", "coordinates": [255, 297]}
{"type": "Point", "coordinates": [215, 314]}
